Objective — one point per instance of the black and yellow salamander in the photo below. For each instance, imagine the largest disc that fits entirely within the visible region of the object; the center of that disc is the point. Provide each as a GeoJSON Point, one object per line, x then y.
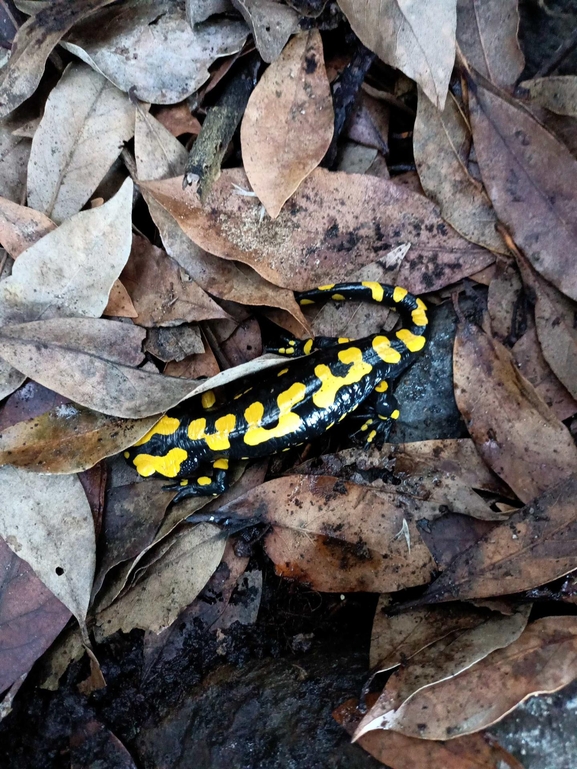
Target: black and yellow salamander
{"type": "Point", "coordinates": [333, 378]}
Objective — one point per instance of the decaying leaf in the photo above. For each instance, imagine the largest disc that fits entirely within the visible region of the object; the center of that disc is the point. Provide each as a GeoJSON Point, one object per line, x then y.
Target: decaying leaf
{"type": "Point", "coordinates": [66, 166]}
{"type": "Point", "coordinates": [151, 48]}
{"type": "Point", "coordinates": [46, 520]}
{"type": "Point", "coordinates": [335, 536]}
{"type": "Point", "coordinates": [557, 94]}
{"type": "Point", "coordinates": [487, 36]}
{"type": "Point", "coordinates": [530, 177]}
{"type": "Point", "coordinates": [30, 617]}
{"type": "Point", "coordinates": [417, 38]}
{"type": "Point", "coordinates": [441, 146]}
{"type": "Point", "coordinates": [21, 227]}
{"type": "Point", "coordinates": [288, 123]}
{"type": "Point", "coordinates": [517, 435]}
{"type": "Point", "coordinates": [271, 25]}
{"type": "Point", "coordinates": [334, 224]}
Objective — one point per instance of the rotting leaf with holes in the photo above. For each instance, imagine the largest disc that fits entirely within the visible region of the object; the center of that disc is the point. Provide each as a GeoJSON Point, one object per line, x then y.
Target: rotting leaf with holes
{"type": "Point", "coordinates": [515, 432]}
{"type": "Point", "coordinates": [335, 536]}
{"type": "Point", "coordinates": [334, 224]}
{"type": "Point", "coordinates": [288, 123]}
{"type": "Point", "coordinates": [30, 617]}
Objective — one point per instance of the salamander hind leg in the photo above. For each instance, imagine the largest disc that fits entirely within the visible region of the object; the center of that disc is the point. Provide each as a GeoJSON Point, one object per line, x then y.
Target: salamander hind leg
{"type": "Point", "coordinates": [203, 485]}
{"type": "Point", "coordinates": [379, 413]}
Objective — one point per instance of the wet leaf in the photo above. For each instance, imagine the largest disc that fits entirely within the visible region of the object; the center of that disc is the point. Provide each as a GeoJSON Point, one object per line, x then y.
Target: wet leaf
{"type": "Point", "coordinates": [66, 167]}
{"type": "Point", "coordinates": [30, 617]}
{"type": "Point", "coordinates": [336, 536]}
{"type": "Point", "coordinates": [288, 123]}
{"type": "Point", "coordinates": [441, 145]}
{"type": "Point", "coordinates": [21, 227]}
{"type": "Point", "coordinates": [46, 520]}
{"type": "Point", "coordinates": [533, 547]}
{"type": "Point", "coordinates": [271, 25]}
{"type": "Point", "coordinates": [517, 435]}
{"type": "Point", "coordinates": [487, 36]}
{"type": "Point", "coordinates": [335, 224]}
{"type": "Point", "coordinates": [530, 177]}
{"type": "Point", "coordinates": [68, 439]}
{"type": "Point", "coordinates": [33, 44]}
{"type": "Point", "coordinates": [150, 47]}
{"type": "Point", "coordinates": [557, 94]}
{"type": "Point", "coordinates": [543, 659]}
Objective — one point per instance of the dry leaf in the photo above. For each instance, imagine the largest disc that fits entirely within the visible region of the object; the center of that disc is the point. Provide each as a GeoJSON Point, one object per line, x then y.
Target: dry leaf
{"type": "Point", "coordinates": [334, 224]}
{"type": "Point", "coordinates": [30, 617]}
{"type": "Point", "coordinates": [119, 302]}
{"type": "Point", "coordinates": [503, 299]}
{"type": "Point", "coordinates": [21, 227]}
{"type": "Point", "coordinates": [557, 94]}
{"type": "Point", "coordinates": [336, 536]}
{"type": "Point", "coordinates": [543, 659]}
{"type": "Point", "coordinates": [150, 47]}
{"type": "Point", "coordinates": [416, 37]}
{"type": "Point", "coordinates": [85, 124]}
{"type": "Point", "coordinates": [14, 154]}
{"type": "Point", "coordinates": [441, 145]}
{"type": "Point", "coordinates": [533, 547]}
{"type": "Point", "coordinates": [68, 439]}
{"type": "Point", "coordinates": [515, 433]}
{"type": "Point", "coordinates": [288, 123]}
{"type": "Point", "coordinates": [174, 343]}
{"type": "Point", "coordinates": [530, 177]}
{"type": "Point", "coordinates": [178, 120]}
{"type": "Point", "coordinates": [33, 45]}
{"type": "Point", "coordinates": [201, 10]}
{"type": "Point", "coordinates": [271, 25]}
{"type": "Point", "coordinates": [46, 520]}
{"type": "Point", "coordinates": [169, 585]}
{"type": "Point", "coordinates": [487, 36]}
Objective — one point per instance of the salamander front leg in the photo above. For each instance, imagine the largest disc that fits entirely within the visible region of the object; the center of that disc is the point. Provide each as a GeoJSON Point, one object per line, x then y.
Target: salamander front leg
{"type": "Point", "coordinates": [203, 485]}
{"type": "Point", "coordinates": [378, 414]}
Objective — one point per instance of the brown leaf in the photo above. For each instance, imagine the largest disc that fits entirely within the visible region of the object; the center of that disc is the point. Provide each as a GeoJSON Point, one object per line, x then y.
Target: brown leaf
{"type": "Point", "coordinates": [178, 119]}
{"type": "Point", "coordinates": [21, 227]}
{"type": "Point", "coordinates": [487, 36]}
{"type": "Point", "coordinates": [503, 301]}
{"type": "Point", "coordinates": [174, 343]}
{"type": "Point", "coordinates": [336, 536]}
{"type": "Point", "coordinates": [33, 44]}
{"type": "Point", "coordinates": [30, 617]}
{"type": "Point", "coordinates": [478, 751]}
{"type": "Point", "coordinates": [29, 401]}
{"type": "Point", "coordinates": [452, 534]}
{"type": "Point", "coordinates": [271, 25]}
{"type": "Point", "coordinates": [517, 435]}
{"type": "Point", "coordinates": [557, 94]}
{"type": "Point", "coordinates": [68, 439]}
{"type": "Point", "coordinates": [542, 660]}
{"type": "Point", "coordinates": [533, 547]}
{"type": "Point", "coordinates": [441, 145]}
{"type": "Point", "coordinates": [530, 177]}
{"type": "Point", "coordinates": [194, 367]}
{"type": "Point", "coordinates": [418, 39]}
{"type": "Point", "coordinates": [335, 224]}
{"type": "Point", "coordinates": [369, 123]}
{"type": "Point", "coordinates": [288, 123]}
{"type": "Point", "coordinates": [158, 291]}
{"type": "Point", "coordinates": [119, 302]}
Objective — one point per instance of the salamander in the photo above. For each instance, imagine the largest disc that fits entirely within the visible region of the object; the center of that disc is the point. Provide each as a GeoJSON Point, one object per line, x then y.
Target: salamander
{"type": "Point", "coordinates": [333, 379]}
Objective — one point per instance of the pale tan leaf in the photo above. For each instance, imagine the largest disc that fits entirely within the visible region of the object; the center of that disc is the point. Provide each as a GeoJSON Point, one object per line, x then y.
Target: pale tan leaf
{"type": "Point", "coordinates": [10, 378]}
{"type": "Point", "coordinates": [85, 124]}
{"type": "Point", "coordinates": [21, 227]}
{"type": "Point", "coordinates": [47, 521]}
{"type": "Point", "coordinates": [119, 302]}
{"type": "Point", "coordinates": [416, 37]}
{"type": "Point", "coordinates": [288, 123]}
{"type": "Point", "coordinates": [557, 94]}
{"type": "Point", "coordinates": [271, 24]}
{"type": "Point", "coordinates": [14, 154]}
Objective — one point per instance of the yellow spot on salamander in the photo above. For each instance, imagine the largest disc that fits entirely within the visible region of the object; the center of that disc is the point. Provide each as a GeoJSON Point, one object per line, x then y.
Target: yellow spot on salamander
{"type": "Point", "coordinates": [165, 426]}
{"type": "Point", "coordinates": [365, 426]}
{"type": "Point", "coordinates": [399, 294]}
{"type": "Point", "coordinates": [208, 399]}
{"type": "Point", "coordinates": [343, 339]}
{"type": "Point", "coordinates": [327, 287]}
{"type": "Point", "coordinates": [282, 372]}
{"type": "Point", "coordinates": [371, 436]}
{"type": "Point", "coordinates": [382, 387]}
{"type": "Point", "coordinates": [395, 414]}
{"type": "Point", "coordinates": [204, 480]}
{"type": "Point", "coordinates": [377, 291]}
{"type": "Point", "coordinates": [331, 384]}
{"type": "Point", "coordinates": [219, 441]}
{"type": "Point", "coordinates": [419, 316]}
{"type": "Point", "coordinates": [288, 421]}
{"type": "Point", "coordinates": [168, 465]}
{"type": "Point", "coordinates": [127, 454]}
{"type": "Point", "coordinates": [412, 342]}
{"type": "Point", "coordinates": [220, 464]}
{"type": "Point", "coordinates": [338, 297]}
{"type": "Point", "coordinates": [382, 346]}
{"type": "Point", "coordinates": [184, 483]}
{"type": "Point", "coordinates": [306, 301]}
{"type": "Point", "coordinates": [308, 346]}
{"type": "Point", "coordinates": [196, 429]}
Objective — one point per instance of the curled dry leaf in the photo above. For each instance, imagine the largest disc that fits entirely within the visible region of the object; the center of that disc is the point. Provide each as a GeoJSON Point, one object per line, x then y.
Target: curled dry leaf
{"type": "Point", "coordinates": [159, 156]}
{"type": "Point", "coordinates": [30, 617]}
{"type": "Point", "coordinates": [271, 25]}
{"type": "Point", "coordinates": [334, 224]}
{"type": "Point", "coordinates": [21, 227]}
{"type": "Point", "coordinates": [530, 177]}
{"type": "Point", "coordinates": [169, 585]}
{"type": "Point", "coordinates": [70, 271]}
{"type": "Point", "coordinates": [46, 520]}
{"type": "Point", "coordinates": [335, 536]}
{"type": "Point", "coordinates": [442, 141]}
{"type": "Point", "coordinates": [533, 547]}
{"type": "Point", "coordinates": [543, 659]}
{"type": "Point", "coordinates": [515, 432]}
{"type": "Point", "coordinates": [417, 38]}
{"type": "Point", "coordinates": [151, 48]}
{"type": "Point", "coordinates": [487, 36]}
{"type": "Point", "coordinates": [68, 439]}
{"type": "Point", "coordinates": [557, 94]}
{"type": "Point", "coordinates": [85, 124]}
{"type": "Point", "coordinates": [33, 44]}
{"type": "Point", "coordinates": [288, 123]}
